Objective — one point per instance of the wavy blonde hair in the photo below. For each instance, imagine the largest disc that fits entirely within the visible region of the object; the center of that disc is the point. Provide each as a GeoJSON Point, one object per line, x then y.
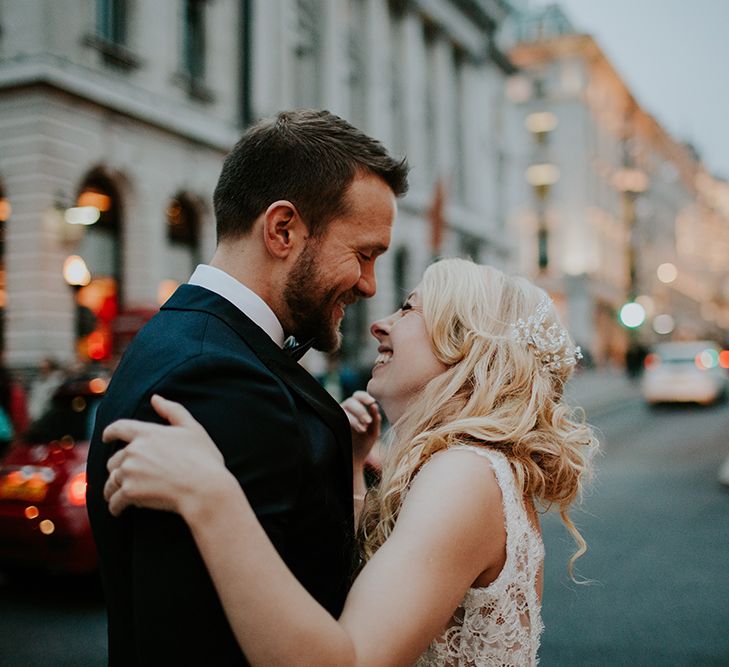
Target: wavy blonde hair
{"type": "Point", "coordinates": [496, 393]}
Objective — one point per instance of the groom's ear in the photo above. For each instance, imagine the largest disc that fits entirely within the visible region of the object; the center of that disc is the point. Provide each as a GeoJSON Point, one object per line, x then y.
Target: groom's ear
{"type": "Point", "coordinates": [284, 232]}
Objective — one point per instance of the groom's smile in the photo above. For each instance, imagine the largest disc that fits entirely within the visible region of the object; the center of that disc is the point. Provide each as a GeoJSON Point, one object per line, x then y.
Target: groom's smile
{"type": "Point", "coordinates": [338, 268]}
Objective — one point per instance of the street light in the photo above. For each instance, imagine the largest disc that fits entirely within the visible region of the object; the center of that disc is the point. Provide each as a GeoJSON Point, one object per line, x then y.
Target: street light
{"type": "Point", "coordinates": [541, 122]}
{"type": "Point", "coordinates": [631, 181]}
{"type": "Point", "coordinates": [541, 177]}
{"type": "Point", "coordinates": [632, 315]}
{"type": "Point", "coordinates": [541, 174]}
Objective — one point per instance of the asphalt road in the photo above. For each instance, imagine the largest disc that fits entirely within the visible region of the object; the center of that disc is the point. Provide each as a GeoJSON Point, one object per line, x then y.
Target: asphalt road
{"type": "Point", "coordinates": [657, 524]}
{"type": "Point", "coordinates": [656, 521]}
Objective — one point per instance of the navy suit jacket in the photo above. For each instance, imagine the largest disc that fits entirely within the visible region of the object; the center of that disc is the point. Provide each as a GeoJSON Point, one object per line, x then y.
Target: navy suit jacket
{"type": "Point", "coordinates": [282, 436]}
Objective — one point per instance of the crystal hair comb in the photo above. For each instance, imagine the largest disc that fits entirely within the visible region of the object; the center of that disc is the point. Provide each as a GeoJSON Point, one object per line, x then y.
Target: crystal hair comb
{"type": "Point", "coordinates": [551, 344]}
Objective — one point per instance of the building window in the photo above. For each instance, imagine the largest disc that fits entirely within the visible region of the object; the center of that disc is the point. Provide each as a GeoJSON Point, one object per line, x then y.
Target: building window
{"type": "Point", "coordinates": [431, 96]}
{"type": "Point", "coordinates": [111, 35]}
{"type": "Point", "coordinates": [356, 56]}
{"type": "Point", "coordinates": [193, 61]}
{"type": "Point", "coordinates": [398, 77]}
{"type": "Point", "coordinates": [308, 54]}
{"type": "Point", "coordinates": [111, 20]}
{"type": "Point", "coordinates": [183, 235]}
{"type": "Point", "coordinates": [98, 298]}
{"type": "Point", "coordinates": [193, 45]}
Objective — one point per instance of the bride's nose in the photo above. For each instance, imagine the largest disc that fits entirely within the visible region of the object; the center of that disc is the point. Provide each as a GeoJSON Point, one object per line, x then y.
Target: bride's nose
{"type": "Point", "coordinates": [381, 328]}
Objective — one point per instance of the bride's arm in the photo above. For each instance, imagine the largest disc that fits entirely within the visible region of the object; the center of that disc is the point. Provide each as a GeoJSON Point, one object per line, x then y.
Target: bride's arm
{"type": "Point", "coordinates": [365, 423]}
{"type": "Point", "coordinates": [450, 526]}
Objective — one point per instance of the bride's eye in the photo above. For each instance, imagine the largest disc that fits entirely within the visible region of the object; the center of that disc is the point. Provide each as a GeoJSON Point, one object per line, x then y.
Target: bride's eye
{"type": "Point", "coordinates": [406, 306]}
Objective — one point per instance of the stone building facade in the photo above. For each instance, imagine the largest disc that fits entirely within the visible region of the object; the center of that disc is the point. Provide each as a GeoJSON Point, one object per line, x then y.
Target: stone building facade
{"type": "Point", "coordinates": [129, 106]}
{"type": "Point", "coordinates": [607, 196]}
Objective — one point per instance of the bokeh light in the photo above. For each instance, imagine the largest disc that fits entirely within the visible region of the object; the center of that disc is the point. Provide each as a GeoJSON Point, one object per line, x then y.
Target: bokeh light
{"type": "Point", "coordinates": [632, 315]}
{"type": "Point", "coordinates": [663, 324]}
{"type": "Point", "coordinates": [667, 273]}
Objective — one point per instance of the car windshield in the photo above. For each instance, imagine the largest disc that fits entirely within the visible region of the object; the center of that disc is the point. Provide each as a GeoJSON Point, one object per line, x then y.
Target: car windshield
{"type": "Point", "coordinates": [69, 415]}
{"type": "Point", "coordinates": [683, 353]}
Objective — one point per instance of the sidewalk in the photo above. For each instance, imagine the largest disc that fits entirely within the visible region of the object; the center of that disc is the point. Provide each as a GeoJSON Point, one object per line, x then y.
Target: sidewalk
{"type": "Point", "coordinates": [601, 391]}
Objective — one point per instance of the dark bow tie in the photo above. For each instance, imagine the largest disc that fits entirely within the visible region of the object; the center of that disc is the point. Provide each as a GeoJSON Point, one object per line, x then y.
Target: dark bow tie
{"type": "Point", "coordinates": [296, 350]}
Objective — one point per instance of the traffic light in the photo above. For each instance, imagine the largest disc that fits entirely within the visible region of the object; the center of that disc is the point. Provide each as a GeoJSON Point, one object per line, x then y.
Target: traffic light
{"type": "Point", "coordinates": [632, 315]}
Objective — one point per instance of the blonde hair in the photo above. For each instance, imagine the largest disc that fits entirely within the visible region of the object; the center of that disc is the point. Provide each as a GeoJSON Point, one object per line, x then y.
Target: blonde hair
{"type": "Point", "coordinates": [496, 393]}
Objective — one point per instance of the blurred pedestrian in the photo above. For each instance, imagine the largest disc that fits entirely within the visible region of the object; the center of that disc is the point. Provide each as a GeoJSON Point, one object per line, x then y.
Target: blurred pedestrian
{"type": "Point", "coordinates": [50, 376]}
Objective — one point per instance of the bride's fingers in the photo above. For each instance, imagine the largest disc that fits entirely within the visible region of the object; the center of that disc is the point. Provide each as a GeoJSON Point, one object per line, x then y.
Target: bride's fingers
{"type": "Point", "coordinates": [357, 410]}
{"type": "Point", "coordinates": [116, 460]}
{"type": "Point", "coordinates": [112, 485]}
{"type": "Point", "coordinates": [118, 502]}
{"type": "Point", "coordinates": [175, 413]}
{"type": "Point", "coordinates": [124, 429]}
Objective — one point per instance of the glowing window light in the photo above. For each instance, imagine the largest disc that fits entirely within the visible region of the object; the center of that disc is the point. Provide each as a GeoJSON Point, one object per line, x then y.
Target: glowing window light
{"type": "Point", "coordinates": [541, 121]}
{"type": "Point", "coordinates": [630, 180]}
{"type": "Point", "coordinates": [96, 199]}
{"type": "Point", "coordinates": [82, 215]}
{"type": "Point", "coordinates": [5, 209]}
{"type": "Point", "coordinates": [539, 175]}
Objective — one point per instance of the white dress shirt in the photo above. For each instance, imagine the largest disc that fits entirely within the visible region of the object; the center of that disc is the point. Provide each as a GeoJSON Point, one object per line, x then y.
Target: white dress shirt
{"type": "Point", "coordinates": [243, 298]}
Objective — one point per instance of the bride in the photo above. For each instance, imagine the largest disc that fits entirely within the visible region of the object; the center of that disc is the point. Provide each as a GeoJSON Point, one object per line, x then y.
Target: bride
{"type": "Point", "coordinates": [470, 372]}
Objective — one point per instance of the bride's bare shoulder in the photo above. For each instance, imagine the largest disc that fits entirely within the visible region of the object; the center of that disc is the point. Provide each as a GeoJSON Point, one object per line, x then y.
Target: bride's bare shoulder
{"type": "Point", "coordinates": [457, 487]}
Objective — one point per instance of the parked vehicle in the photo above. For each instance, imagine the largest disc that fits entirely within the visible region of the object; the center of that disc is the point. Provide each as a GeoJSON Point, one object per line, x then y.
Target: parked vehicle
{"type": "Point", "coordinates": [684, 372]}
{"type": "Point", "coordinates": [43, 520]}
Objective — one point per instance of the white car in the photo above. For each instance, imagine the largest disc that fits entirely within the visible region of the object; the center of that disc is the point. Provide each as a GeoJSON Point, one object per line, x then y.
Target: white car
{"type": "Point", "coordinates": [685, 372]}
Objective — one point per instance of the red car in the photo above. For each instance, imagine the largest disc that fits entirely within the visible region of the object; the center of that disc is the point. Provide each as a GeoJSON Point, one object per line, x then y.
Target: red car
{"type": "Point", "coordinates": [43, 520]}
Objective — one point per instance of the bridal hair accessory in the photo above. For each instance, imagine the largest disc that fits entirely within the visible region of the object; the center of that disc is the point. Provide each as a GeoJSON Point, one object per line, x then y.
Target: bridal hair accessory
{"type": "Point", "coordinates": [551, 344]}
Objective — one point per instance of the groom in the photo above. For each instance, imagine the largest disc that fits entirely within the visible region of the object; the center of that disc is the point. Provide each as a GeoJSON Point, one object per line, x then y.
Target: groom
{"type": "Point", "coordinates": [304, 206]}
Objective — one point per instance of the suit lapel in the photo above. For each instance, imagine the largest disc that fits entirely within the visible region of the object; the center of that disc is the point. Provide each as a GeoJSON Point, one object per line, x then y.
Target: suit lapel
{"type": "Point", "coordinates": [192, 297]}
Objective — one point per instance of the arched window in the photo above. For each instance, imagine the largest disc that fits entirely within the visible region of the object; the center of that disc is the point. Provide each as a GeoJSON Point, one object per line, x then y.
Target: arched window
{"type": "Point", "coordinates": [100, 248]}
{"type": "Point", "coordinates": [183, 242]}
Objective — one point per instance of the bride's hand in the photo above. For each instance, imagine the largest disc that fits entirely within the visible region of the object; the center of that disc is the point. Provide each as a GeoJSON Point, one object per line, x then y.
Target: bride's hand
{"type": "Point", "coordinates": [162, 467]}
{"type": "Point", "coordinates": [365, 422]}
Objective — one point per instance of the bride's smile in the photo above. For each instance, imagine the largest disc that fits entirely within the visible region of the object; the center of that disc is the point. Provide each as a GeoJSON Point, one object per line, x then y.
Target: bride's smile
{"type": "Point", "coordinates": [406, 361]}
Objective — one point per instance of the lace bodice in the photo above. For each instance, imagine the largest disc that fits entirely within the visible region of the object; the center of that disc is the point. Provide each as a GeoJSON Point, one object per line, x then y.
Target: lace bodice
{"type": "Point", "coordinates": [498, 625]}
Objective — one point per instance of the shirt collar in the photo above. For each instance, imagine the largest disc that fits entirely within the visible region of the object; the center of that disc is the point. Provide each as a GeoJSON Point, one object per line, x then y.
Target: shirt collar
{"type": "Point", "coordinates": [246, 300]}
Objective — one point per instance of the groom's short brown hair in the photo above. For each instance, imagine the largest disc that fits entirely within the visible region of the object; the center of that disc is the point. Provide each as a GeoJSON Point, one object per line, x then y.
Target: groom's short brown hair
{"type": "Point", "coordinates": [307, 157]}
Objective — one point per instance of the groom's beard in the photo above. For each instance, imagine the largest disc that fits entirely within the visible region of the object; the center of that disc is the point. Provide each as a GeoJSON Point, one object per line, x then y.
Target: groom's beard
{"type": "Point", "coordinates": [311, 305]}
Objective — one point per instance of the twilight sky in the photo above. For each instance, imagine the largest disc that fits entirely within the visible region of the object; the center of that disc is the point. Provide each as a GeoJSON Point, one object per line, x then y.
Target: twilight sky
{"type": "Point", "coordinates": [674, 56]}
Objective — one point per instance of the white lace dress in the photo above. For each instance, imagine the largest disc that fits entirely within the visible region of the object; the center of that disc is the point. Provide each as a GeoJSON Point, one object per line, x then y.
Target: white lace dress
{"type": "Point", "coordinates": [498, 625]}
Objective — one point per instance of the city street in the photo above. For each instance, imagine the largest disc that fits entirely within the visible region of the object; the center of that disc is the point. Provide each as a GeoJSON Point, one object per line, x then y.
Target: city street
{"type": "Point", "coordinates": [657, 523]}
